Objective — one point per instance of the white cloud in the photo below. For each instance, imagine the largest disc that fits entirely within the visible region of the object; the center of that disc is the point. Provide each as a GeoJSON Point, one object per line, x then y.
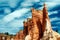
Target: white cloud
{"type": "Point", "coordinates": [26, 4]}
{"type": "Point", "coordinates": [54, 27]}
{"type": "Point", "coordinates": [7, 10]}
{"type": "Point", "coordinates": [36, 0]}
{"type": "Point", "coordinates": [13, 3]}
{"type": "Point", "coordinates": [16, 23]}
{"type": "Point", "coordinates": [31, 1]}
{"type": "Point", "coordinates": [1, 1]}
{"type": "Point", "coordinates": [17, 13]}
{"type": "Point", "coordinates": [54, 19]}
{"type": "Point", "coordinates": [50, 0]}
{"type": "Point", "coordinates": [53, 12]}
{"type": "Point", "coordinates": [10, 30]}
{"type": "Point", "coordinates": [50, 5]}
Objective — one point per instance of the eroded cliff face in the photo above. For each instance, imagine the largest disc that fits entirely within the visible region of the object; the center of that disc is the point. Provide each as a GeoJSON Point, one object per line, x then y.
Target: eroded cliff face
{"type": "Point", "coordinates": [38, 27]}
{"type": "Point", "coordinates": [37, 24]}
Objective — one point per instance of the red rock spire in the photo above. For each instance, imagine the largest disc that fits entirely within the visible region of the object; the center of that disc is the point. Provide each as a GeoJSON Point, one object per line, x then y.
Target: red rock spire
{"type": "Point", "coordinates": [45, 13]}
{"type": "Point", "coordinates": [45, 17]}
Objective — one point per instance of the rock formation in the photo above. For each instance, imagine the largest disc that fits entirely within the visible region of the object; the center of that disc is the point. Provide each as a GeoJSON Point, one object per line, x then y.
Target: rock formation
{"type": "Point", "coordinates": [38, 27]}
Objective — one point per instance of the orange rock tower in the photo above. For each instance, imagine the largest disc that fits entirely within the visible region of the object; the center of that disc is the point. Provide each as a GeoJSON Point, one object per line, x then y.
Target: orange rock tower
{"type": "Point", "coordinates": [36, 26]}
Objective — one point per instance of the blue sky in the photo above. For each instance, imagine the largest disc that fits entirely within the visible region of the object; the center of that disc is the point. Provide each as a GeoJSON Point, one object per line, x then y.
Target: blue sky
{"type": "Point", "coordinates": [13, 13]}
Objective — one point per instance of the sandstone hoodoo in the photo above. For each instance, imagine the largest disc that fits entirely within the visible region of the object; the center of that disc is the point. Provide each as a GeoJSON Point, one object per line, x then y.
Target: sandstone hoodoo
{"type": "Point", "coordinates": [38, 27]}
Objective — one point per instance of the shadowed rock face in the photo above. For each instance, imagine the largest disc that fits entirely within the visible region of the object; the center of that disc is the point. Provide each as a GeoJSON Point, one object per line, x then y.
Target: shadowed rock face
{"type": "Point", "coordinates": [25, 28]}
{"type": "Point", "coordinates": [37, 24]}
